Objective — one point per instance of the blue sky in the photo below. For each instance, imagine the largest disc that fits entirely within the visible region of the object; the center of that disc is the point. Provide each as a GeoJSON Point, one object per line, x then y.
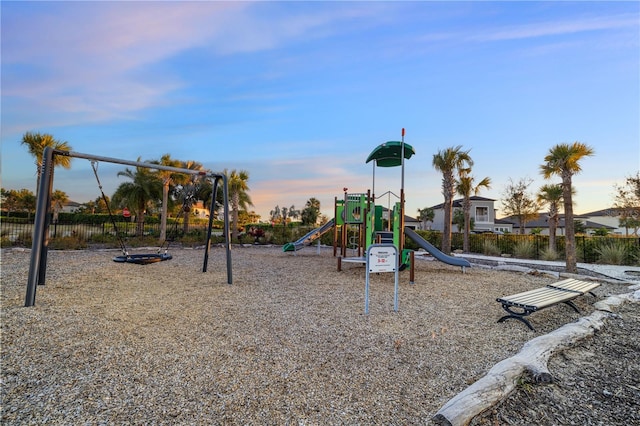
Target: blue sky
{"type": "Point", "coordinates": [299, 93]}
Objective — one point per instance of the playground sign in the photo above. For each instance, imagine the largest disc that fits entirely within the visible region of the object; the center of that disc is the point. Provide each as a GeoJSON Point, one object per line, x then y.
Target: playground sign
{"type": "Point", "coordinates": [381, 258]}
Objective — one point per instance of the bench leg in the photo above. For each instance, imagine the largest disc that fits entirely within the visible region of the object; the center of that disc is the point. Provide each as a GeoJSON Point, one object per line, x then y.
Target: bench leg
{"type": "Point", "coordinates": [573, 305]}
{"type": "Point", "coordinates": [519, 318]}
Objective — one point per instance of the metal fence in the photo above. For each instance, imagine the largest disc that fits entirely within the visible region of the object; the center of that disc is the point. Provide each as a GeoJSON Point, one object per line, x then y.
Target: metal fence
{"type": "Point", "coordinates": [19, 232]}
{"type": "Point", "coordinates": [589, 249]}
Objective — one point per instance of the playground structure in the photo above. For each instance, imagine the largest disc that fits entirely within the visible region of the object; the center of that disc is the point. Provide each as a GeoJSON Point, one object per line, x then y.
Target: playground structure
{"type": "Point", "coordinates": [359, 223]}
{"type": "Point", "coordinates": [39, 249]}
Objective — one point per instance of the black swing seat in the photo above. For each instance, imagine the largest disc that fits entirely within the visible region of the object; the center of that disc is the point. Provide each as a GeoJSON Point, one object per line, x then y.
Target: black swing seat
{"type": "Point", "coordinates": [142, 259]}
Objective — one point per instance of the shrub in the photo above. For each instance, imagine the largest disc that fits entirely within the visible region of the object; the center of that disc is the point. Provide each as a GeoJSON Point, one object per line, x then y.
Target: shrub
{"type": "Point", "coordinates": [490, 248]}
{"type": "Point", "coordinates": [549, 254]}
{"type": "Point", "coordinates": [524, 249]}
{"type": "Point", "coordinates": [611, 253]}
{"type": "Point", "coordinates": [23, 239]}
{"type": "Point", "coordinates": [72, 242]}
{"type": "Point", "coordinates": [6, 240]}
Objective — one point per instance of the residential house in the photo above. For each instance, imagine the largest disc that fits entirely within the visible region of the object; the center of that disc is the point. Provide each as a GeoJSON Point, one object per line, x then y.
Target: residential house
{"type": "Point", "coordinates": [483, 214]}
{"type": "Point", "coordinates": [484, 218]}
{"type": "Point", "coordinates": [541, 224]}
{"type": "Point", "coordinates": [71, 207]}
{"type": "Point", "coordinates": [410, 222]}
{"type": "Point", "coordinates": [610, 218]}
{"type": "Point", "coordinates": [199, 210]}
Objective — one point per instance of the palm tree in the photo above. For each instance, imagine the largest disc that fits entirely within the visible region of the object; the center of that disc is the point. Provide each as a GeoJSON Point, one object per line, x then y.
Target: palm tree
{"type": "Point", "coordinates": [168, 179]}
{"type": "Point", "coordinates": [204, 193]}
{"type": "Point", "coordinates": [191, 187]}
{"type": "Point", "coordinates": [286, 213]}
{"type": "Point", "coordinates": [239, 198]}
{"type": "Point", "coordinates": [37, 142]}
{"type": "Point", "coordinates": [447, 162]}
{"type": "Point", "coordinates": [143, 189]}
{"type": "Point", "coordinates": [551, 194]}
{"type": "Point", "coordinates": [311, 211]}
{"type": "Point", "coordinates": [58, 200]}
{"type": "Point", "coordinates": [564, 160]}
{"type": "Point", "coordinates": [465, 187]}
{"type": "Point", "coordinates": [426, 215]}
{"type": "Point", "coordinates": [275, 214]}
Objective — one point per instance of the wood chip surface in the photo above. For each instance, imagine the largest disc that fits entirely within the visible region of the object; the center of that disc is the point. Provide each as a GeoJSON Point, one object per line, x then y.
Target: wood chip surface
{"type": "Point", "coordinates": [286, 343]}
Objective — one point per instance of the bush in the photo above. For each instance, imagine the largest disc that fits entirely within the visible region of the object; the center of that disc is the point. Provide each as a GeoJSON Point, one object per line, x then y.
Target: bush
{"type": "Point", "coordinates": [611, 253]}
{"type": "Point", "coordinates": [490, 248]}
{"type": "Point", "coordinates": [23, 239]}
{"type": "Point", "coordinates": [549, 254]}
{"type": "Point", "coordinates": [72, 242]}
{"type": "Point", "coordinates": [524, 249]}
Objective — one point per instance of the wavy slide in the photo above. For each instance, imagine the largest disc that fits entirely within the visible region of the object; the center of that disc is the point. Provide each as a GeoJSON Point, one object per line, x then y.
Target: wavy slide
{"type": "Point", "coordinates": [430, 248]}
{"type": "Point", "coordinates": [308, 238]}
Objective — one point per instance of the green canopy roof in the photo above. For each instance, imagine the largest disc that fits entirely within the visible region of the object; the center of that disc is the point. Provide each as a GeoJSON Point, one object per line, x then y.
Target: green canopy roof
{"type": "Point", "coordinates": [388, 154]}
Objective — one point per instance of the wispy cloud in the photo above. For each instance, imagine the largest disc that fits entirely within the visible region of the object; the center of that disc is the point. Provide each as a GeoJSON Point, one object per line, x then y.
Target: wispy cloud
{"type": "Point", "coordinates": [551, 28]}
{"type": "Point", "coordinates": [92, 61]}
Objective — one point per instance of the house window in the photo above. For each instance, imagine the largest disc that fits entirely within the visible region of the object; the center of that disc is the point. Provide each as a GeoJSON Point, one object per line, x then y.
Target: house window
{"type": "Point", "coordinates": [482, 214]}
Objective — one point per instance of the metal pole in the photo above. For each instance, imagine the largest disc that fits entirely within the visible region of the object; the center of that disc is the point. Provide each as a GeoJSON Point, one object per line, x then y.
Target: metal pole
{"type": "Point", "coordinates": [42, 270]}
{"type": "Point", "coordinates": [132, 163]}
{"type": "Point", "coordinates": [402, 160]}
{"type": "Point", "coordinates": [373, 185]}
{"type": "Point", "coordinates": [39, 227]}
{"type": "Point", "coordinates": [38, 262]}
{"type": "Point", "coordinates": [227, 234]}
{"type": "Point", "coordinates": [396, 287]}
{"type": "Point", "coordinates": [366, 285]}
{"type": "Point", "coordinates": [401, 239]}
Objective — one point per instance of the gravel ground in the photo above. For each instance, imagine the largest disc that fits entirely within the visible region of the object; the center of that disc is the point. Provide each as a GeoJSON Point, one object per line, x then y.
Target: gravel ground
{"type": "Point", "coordinates": [597, 382]}
{"type": "Point", "coordinates": [287, 343]}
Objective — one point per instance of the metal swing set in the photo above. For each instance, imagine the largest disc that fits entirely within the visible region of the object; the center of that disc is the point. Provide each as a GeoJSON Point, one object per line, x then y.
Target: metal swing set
{"type": "Point", "coordinates": [39, 249]}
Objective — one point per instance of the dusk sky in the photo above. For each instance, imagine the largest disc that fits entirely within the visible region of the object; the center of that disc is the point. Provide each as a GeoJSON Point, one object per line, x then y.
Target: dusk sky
{"type": "Point", "coordinates": [299, 93]}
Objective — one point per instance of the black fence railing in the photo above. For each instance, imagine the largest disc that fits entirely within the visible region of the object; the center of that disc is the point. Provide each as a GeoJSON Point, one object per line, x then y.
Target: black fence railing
{"type": "Point", "coordinates": [19, 232]}
{"type": "Point", "coordinates": [589, 249]}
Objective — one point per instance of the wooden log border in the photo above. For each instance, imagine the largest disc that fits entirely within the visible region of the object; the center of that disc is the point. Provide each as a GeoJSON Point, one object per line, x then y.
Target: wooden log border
{"type": "Point", "coordinates": [532, 359]}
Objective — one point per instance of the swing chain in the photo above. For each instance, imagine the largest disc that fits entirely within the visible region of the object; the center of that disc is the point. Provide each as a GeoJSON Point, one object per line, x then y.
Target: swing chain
{"type": "Point", "coordinates": [94, 166]}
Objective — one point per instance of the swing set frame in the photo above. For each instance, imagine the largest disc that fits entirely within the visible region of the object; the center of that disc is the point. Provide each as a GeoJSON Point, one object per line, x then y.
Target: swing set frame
{"type": "Point", "coordinates": [40, 245]}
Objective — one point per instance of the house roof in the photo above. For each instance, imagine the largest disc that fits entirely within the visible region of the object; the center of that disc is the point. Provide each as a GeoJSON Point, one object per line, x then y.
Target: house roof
{"type": "Point", "coordinates": [406, 217]}
{"type": "Point", "coordinates": [612, 211]}
{"type": "Point", "coordinates": [458, 202]}
{"type": "Point", "coordinates": [543, 222]}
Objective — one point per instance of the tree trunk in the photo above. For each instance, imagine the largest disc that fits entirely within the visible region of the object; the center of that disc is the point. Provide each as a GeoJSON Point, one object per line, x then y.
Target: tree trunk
{"type": "Point", "coordinates": [185, 220]}
{"type": "Point", "coordinates": [235, 206]}
{"type": "Point", "coordinates": [570, 232]}
{"type": "Point", "coordinates": [140, 220]}
{"type": "Point", "coordinates": [446, 233]}
{"type": "Point", "coordinates": [140, 225]}
{"type": "Point", "coordinates": [467, 227]}
{"type": "Point", "coordinates": [553, 226]}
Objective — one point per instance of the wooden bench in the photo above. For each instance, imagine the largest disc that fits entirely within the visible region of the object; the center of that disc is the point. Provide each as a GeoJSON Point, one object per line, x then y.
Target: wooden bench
{"type": "Point", "coordinates": [520, 305]}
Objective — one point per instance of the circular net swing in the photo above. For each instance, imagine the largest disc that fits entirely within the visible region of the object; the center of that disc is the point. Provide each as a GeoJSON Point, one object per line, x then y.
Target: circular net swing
{"type": "Point", "coordinates": [140, 259]}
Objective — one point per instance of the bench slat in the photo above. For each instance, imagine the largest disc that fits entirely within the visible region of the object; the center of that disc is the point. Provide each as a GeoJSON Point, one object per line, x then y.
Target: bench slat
{"type": "Point", "coordinates": [539, 298]}
{"type": "Point", "coordinates": [533, 300]}
{"type": "Point", "coordinates": [575, 285]}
